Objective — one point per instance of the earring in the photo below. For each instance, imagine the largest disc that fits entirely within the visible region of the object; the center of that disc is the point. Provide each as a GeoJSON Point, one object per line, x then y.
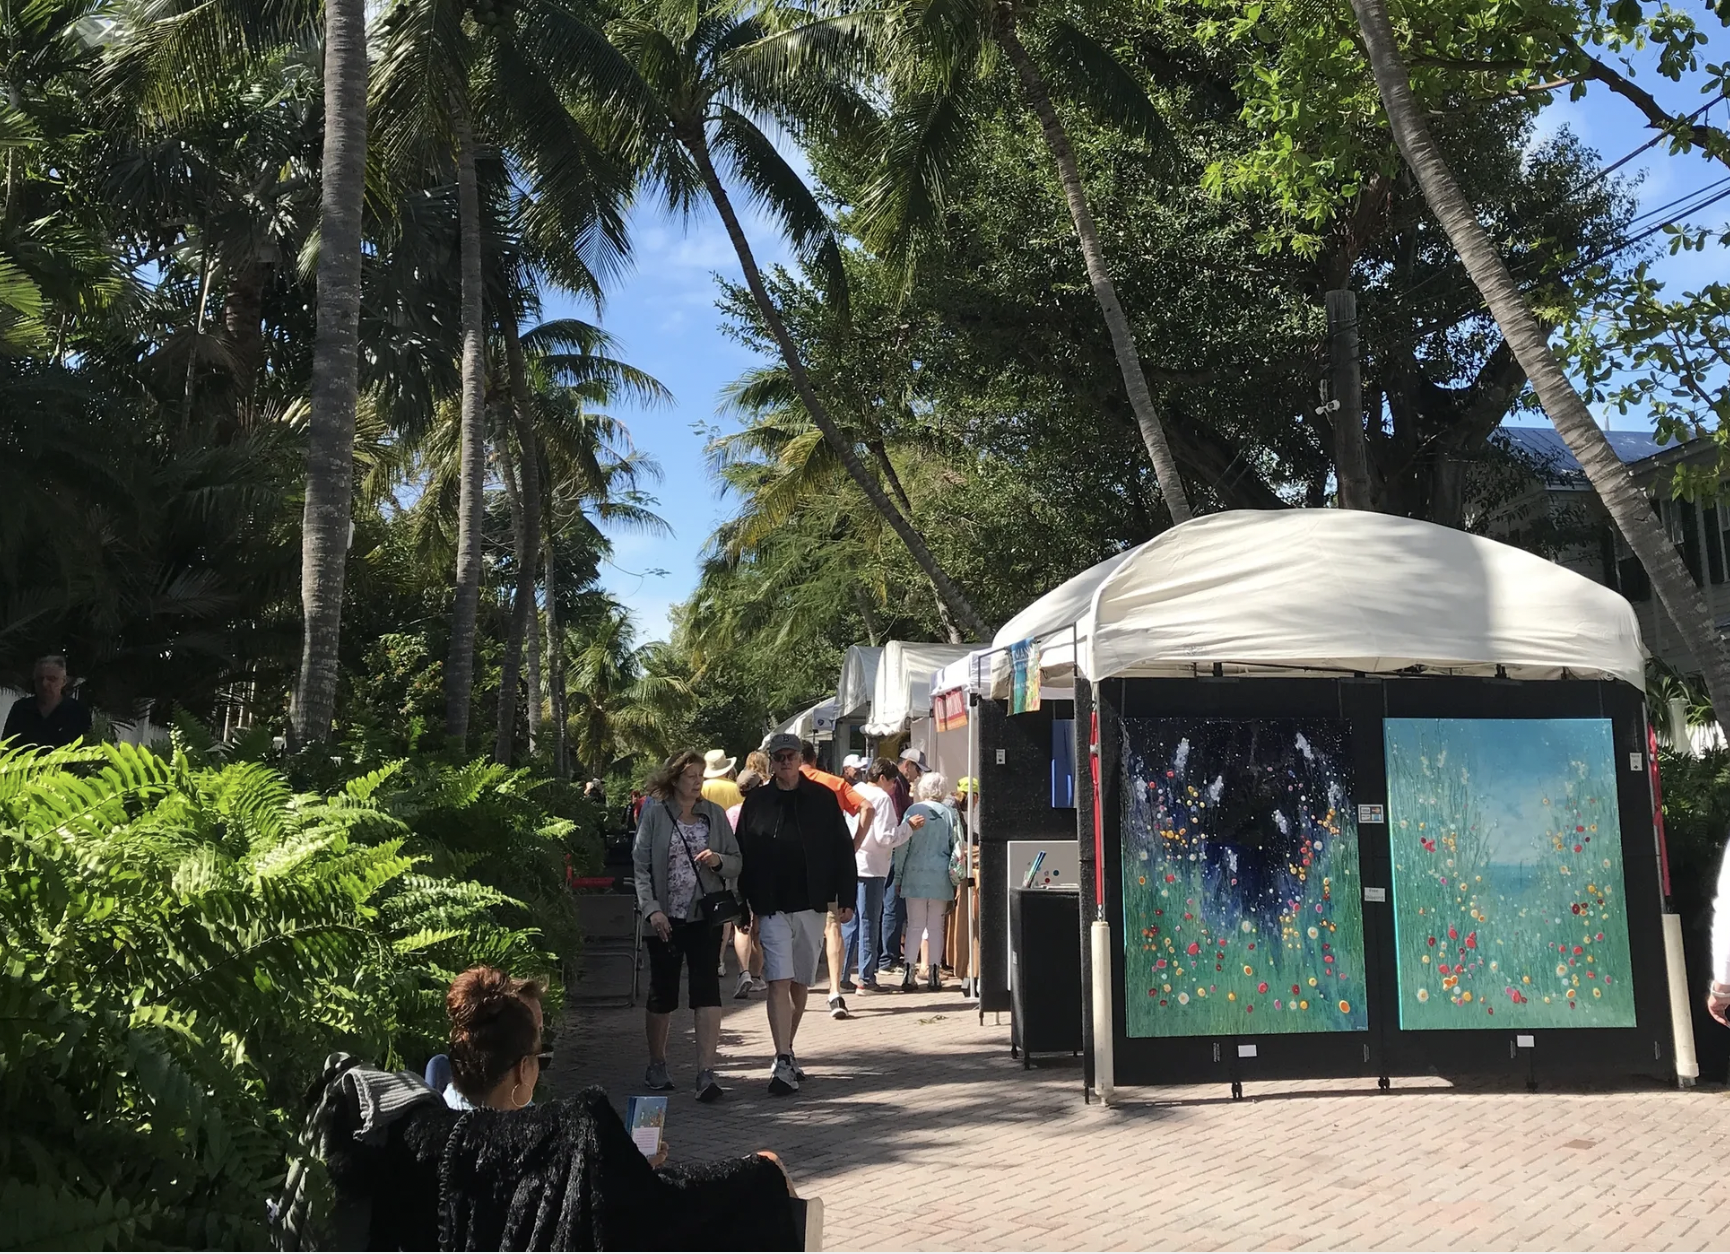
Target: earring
{"type": "Point", "coordinates": [515, 1104]}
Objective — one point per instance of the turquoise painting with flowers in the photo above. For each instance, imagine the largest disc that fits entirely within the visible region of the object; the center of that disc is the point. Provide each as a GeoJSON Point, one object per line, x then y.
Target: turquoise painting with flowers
{"type": "Point", "coordinates": [1507, 874]}
{"type": "Point", "coordinates": [1241, 897]}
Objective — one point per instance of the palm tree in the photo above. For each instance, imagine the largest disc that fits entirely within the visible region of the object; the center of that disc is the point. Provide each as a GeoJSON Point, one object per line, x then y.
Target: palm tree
{"type": "Point", "coordinates": [569, 354]}
{"type": "Point", "coordinates": [782, 468]}
{"type": "Point", "coordinates": [444, 67]}
{"type": "Point", "coordinates": [325, 521]}
{"type": "Point", "coordinates": [933, 55]}
{"type": "Point", "coordinates": [1627, 505]}
{"type": "Point", "coordinates": [593, 475]}
{"type": "Point", "coordinates": [709, 100]}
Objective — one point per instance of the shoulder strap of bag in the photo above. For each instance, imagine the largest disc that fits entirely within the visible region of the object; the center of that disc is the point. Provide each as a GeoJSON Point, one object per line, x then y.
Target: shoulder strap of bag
{"type": "Point", "coordinates": [686, 845]}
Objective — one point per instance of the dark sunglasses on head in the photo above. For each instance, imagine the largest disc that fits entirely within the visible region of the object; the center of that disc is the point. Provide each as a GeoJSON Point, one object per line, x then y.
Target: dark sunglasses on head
{"type": "Point", "coordinates": [544, 1057]}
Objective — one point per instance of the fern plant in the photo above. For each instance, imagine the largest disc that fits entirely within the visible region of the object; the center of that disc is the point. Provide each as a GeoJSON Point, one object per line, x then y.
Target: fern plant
{"type": "Point", "coordinates": [180, 947]}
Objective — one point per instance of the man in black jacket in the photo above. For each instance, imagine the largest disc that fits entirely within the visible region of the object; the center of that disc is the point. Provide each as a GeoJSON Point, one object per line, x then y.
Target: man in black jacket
{"type": "Point", "coordinates": [799, 864]}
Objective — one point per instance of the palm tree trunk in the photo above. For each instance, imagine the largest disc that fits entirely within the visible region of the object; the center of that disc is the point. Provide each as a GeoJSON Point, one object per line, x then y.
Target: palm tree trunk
{"type": "Point", "coordinates": [324, 525]}
{"type": "Point", "coordinates": [532, 678]}
{"type": "Point", "coordinates": [243, 318]}
{"type": "Point", "coordinates": [697, 144]}
{"type": "Point", "coordinates": [555, 666]}
{"type": "Point", "coordinates": [526, 528]}
{"type": "Point", "coordinates": [522, 599]}
{"type": "Point", "coordinates": [1626, 503]}
{"type": "Point", "coordinates": [459, 668]}
{"type": "Point", "coordinates": [1104, 290]}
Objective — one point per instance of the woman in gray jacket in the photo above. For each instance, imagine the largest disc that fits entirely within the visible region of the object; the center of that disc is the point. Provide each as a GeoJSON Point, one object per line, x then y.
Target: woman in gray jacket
{"type": "Point", "coordinates": [685, 849]}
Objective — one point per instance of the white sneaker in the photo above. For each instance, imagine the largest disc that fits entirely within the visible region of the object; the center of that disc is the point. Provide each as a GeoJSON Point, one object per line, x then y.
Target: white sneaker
{"type": "Point", "coordinates": [744, 989]}
{"type": "Point", "coordinates": [793, 1061]}
{"type": "Point", "coordinates": [759, 984]}
{"type": "Point", "coordinates": [782, 1079]}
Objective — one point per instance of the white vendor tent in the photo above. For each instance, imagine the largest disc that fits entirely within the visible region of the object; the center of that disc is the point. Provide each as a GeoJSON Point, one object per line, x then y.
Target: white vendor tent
{"type": "Point", "coordinates": [1051, 620]}
{"type": "Point", "coordinates": [1326, 591]}
{"type": "Point", "coordinates": [816, 723]}
{"type": "Point", "coordinates": [986, 670]}
{"type": "Point", "coordinates": [971, 673]}
{"type": "Point", "coordinates": [903, 689]}
{"type": "Point", "coordinates": [858, 680]}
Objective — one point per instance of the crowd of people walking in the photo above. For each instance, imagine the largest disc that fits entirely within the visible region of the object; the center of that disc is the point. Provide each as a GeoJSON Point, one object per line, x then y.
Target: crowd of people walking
{"type": "Point", "coordinates": [794, 867]}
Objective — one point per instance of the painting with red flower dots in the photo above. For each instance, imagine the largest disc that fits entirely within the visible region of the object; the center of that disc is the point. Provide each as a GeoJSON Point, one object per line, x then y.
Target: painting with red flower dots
{"type": "Point", "coordinates": [1507, 874]}
{"type": "Point", "coordinates": [1241, 903]}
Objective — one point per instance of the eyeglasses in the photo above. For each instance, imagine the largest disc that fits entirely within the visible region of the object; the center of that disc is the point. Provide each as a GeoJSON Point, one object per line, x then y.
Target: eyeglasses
{"type": "Point", "coordinates": [787, 755]}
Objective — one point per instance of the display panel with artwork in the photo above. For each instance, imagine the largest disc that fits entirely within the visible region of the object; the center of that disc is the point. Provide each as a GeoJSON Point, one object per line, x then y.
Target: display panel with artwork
{"type": "Point", "coordinates": [1241, 896]}
{"type": "Point", "coordinates": [1508, 897]}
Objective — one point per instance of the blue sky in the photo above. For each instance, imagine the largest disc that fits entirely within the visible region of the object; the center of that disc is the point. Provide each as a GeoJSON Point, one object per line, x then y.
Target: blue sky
{"type": "Point", "coordinates": [665, 319]}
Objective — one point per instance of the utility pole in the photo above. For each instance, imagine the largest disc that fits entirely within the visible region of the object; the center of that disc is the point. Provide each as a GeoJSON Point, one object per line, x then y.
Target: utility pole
{"type": "Point", "coordinates": [1345, 385]}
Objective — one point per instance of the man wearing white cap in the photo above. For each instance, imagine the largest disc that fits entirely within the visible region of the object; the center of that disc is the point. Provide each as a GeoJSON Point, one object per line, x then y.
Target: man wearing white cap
{"type": "Point", "coordinates": [853, 768]}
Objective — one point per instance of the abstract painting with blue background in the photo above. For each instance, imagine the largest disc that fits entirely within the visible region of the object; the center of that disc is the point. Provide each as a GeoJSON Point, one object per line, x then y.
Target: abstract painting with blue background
{"type": "Point", "coordinates": [1508, 897]}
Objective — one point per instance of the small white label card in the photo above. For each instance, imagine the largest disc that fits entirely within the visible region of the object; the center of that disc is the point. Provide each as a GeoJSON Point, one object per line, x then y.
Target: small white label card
{"type": "Point", "coordinates": [1371, 814]}
{"type": "Point", "coordinates": [1375, 894]}
{"type": "Point", "coordinates": [1246, 1051]}
{"type": "Point", "coordinates": [1523, 1041]}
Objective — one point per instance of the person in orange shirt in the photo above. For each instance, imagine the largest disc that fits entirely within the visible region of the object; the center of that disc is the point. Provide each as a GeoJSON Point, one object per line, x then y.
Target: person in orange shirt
{"type": "Point", "coordinates": [858, 811]}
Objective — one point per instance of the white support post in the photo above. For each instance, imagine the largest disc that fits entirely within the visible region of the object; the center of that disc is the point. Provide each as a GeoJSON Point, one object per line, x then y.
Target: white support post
{"type": "Point", "coordinates": [1681, 1021]}
{"type": "Point", "coordinates": [1100, 935]}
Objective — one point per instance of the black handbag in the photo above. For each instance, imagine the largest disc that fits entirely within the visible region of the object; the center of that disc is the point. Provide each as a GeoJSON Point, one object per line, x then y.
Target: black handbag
{"type": "Point", "coordinates": [712, 908]}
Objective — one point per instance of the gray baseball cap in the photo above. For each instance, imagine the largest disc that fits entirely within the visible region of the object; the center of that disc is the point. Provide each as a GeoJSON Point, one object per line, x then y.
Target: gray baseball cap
{"type": "Point", "coordinates": [780, 742]}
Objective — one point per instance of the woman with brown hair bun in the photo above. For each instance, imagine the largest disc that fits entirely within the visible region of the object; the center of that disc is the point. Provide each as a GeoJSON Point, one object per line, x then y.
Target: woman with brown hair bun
{"type": "Point", "coordinates": [495, 1050]}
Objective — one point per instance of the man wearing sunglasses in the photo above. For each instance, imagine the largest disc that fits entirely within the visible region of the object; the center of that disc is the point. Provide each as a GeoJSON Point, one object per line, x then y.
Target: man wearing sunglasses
{"type": "Point", "coordinates": [798, 865]}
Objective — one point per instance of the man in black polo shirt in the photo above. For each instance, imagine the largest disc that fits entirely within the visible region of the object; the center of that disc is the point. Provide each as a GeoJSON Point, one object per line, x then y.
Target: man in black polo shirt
{"type": "Point", "coordinates": [798, 864]}
{"type": "Point", "coordinates": [50, 718]}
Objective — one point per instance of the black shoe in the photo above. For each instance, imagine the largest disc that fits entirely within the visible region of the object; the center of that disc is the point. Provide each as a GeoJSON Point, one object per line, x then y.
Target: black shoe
{"type": "Point", "coordinates": [838, 1007]}
{"type": "Point", "coordinates": [907, 982]}
{"type": "Point", "coordinates": [707, 1089]}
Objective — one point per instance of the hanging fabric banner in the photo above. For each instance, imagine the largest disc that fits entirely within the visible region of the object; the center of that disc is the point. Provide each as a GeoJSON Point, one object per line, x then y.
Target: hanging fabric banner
{"type": "Point", "coordinates": [951, 709]}
{"type": "Point", "coordinates": [1024, 659]}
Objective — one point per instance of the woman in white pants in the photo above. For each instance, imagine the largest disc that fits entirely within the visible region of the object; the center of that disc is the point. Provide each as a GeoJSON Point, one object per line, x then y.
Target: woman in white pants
{"type": "Point", "coordinates": [929, 833]}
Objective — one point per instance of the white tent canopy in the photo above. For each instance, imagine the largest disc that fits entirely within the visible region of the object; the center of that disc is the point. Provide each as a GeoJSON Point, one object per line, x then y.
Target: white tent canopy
{"type": "Point", "coordinates": [858, 679]}
{"type": "Point", "coordinates": [1055, 613]}
{"type": "Point", "coordinates": [816, 723]}
{"type": "Point", "coordinates": [972, 673]}
{"type": "Point", "coordinates": [903, 690]}
{"type": "Point", "coordinates": [1326, 591]}
{"type": "Point", "coordinates": [1051, 620]}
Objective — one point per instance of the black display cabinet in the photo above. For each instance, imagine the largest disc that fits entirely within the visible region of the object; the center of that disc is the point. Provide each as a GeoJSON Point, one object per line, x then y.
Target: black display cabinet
{"type": "Point", "coordinates": [1045, 976]}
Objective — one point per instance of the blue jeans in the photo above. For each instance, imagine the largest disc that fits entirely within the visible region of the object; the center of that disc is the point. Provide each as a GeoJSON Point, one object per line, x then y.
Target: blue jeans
{"type": "Point", "coordinates": [860, 936]}
{"type": "Point", "coordinates": [894, 922]}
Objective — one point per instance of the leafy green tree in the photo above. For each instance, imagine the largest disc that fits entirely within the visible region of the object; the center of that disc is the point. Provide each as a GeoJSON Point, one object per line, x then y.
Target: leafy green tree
{"type": "Point", "coordinates": [1528, 340]}
{"type": "Point", "coordinates": [932, 56]}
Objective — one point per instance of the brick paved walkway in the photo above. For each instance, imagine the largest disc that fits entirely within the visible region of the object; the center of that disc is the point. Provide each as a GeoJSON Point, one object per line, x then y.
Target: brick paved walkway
{"type": "Point", "coordinates": [919, 1132]}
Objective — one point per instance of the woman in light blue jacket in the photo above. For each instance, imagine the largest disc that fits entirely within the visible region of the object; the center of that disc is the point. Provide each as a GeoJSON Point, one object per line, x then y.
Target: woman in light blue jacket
{"type": "Point", "coordinates": [928, 831]}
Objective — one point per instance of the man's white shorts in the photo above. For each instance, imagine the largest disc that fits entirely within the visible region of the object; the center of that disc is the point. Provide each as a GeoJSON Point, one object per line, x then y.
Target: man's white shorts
{"type": "Point", "coordinates": [792, 945]}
